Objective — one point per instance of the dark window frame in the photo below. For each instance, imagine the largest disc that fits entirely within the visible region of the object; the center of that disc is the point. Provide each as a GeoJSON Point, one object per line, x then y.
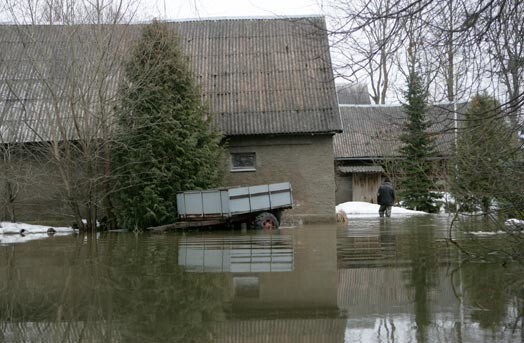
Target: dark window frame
{"type": "Point", "coordinates": [243, 165]}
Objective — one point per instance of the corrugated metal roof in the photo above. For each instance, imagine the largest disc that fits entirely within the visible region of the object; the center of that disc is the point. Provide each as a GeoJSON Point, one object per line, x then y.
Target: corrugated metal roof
{"type": "Point", "coordinates": [373, 131]}
{"type": "Point", "coordinates": [259, 76]}
{"type": "Point", "coordinates": [361, 169]}
{"type": "Point", "coordinates": [55, 81]}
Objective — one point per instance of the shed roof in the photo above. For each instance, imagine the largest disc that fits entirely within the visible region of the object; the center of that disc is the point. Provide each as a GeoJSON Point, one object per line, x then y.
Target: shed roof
{"type": "Point", "coordinates": [258, 76]}
{"type": "Point", "coordinates": [361, 169]}
{"type": "Point", "coordinates": [373, 131]}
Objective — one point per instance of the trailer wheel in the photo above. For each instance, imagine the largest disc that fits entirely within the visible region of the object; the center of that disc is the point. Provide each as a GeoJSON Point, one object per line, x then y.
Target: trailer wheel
{"type": "Point", "coordinates": [266, 221]}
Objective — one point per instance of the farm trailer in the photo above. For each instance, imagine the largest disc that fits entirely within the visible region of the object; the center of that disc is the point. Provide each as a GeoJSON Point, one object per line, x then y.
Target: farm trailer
{"type": "Point", "coordinates": [260, 205]}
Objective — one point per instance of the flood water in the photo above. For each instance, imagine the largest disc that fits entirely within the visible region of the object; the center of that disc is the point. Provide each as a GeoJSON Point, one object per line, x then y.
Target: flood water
{"type": "Point", "coordinates": [373, 280]}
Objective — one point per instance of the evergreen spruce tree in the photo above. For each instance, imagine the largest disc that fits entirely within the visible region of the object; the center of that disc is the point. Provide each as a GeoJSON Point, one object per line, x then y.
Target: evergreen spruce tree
{"type": "Point", "coordinates": [164, 143]}
{"type": "Point", "coordinates": [484, 147]}
{"type": "Point", "coordinates": [417, 149]}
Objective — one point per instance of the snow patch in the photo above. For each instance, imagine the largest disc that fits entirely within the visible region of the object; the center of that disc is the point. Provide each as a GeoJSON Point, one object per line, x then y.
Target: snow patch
{"type": "Point", "coordinates": [14, 228]}
{"type": "Point", "coordinates": [11, 233]}
{"type": "Point", "coordinates": [514, 224]}
{"type": "Point", "coordinates": [486, 233]}
{"type": "Point", "coordinates": [365, 209]}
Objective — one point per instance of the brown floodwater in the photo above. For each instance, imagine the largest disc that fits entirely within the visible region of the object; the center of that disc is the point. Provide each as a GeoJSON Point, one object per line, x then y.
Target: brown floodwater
{"type": "Point", "coordinates": [372, 280]}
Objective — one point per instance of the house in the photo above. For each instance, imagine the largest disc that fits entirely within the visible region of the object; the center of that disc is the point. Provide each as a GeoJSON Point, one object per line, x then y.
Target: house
{"type": "Point", "coordinates": [369, 144]}
{"type": "Point", "coordinates": [268, 83]}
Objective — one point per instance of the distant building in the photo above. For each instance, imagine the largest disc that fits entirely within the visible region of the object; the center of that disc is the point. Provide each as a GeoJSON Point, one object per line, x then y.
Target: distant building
{"type": "Point", "coordinates": [268, 82]}
{"type": "Point", "coordinates": [370, 141]}
{"type": "Point", "coordinates": [352, 94]}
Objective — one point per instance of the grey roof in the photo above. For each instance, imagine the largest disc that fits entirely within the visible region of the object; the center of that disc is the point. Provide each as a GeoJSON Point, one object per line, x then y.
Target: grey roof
{"type": "Point", "coordinates": [353, 94]}
{"type": "Point", "coordinates": [56, 81]}
{"type": "Point", "coordinates": [258, 76]}
{"type": "Point", "coordinates": [361, 169]}
{"type": "Point", "coordinates": [373, 131]}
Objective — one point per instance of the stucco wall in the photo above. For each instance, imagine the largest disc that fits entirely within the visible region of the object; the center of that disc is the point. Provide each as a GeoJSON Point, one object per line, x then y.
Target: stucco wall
{"type": "Point", "coordinates": [344, 188]}
{"type": "Point", "coordinates": [305, 161]}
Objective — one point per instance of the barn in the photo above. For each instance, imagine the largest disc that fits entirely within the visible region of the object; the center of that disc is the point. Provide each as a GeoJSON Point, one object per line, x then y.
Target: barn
{"type": "Point", "coordinates": [267, 81]}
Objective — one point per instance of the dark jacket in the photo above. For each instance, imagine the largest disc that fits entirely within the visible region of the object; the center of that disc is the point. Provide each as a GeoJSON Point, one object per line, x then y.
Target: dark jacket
{"type": "Point", "coordinates": [386, 194]}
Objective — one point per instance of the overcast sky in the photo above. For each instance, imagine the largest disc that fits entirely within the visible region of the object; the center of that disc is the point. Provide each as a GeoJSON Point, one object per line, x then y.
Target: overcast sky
{"type": "Point", "coordinates": [185, 9]}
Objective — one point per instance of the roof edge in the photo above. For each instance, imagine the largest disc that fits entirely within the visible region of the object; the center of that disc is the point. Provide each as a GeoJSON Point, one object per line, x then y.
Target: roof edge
{"type": "Point", "coordinates": [309, 133]}
{"type": "Point", "coordinates": [185, 20]}
{"type": "Point", "coordinates": [437, 104]}
{"type": "Point", "coordinates": [233, 18]}
{"type": "Point", "coordinates": [386, 158]}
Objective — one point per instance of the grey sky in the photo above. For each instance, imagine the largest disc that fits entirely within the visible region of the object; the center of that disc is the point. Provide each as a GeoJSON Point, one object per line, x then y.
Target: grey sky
{"type": "Point", "coordinates": [173, 9]}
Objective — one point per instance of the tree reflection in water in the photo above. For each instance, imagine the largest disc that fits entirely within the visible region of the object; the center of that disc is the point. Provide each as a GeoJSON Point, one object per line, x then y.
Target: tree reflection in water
{"type": "Point", "coordinates": [119, 288]}
{"type": "Point", "coordinates": [400, 280]}
{"type": "Point", "coordinates": [374, 280]}
{"type": "Point", "coordinates": [493, 272]}
{"type": "Point", "coordinates": [424, 263]}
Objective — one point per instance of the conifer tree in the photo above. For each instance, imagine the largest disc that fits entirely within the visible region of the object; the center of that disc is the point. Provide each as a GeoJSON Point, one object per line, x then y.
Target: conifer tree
{"type": "Point", "coordinates": [164, 143]}
{"type": "Point", "coordinates": [417, 149]}
{"type": "Point", "coordinates": [484, 147]}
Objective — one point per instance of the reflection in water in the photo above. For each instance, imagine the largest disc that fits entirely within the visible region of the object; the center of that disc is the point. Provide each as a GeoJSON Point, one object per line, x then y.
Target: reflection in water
{"type": "Point", "coordinates": [376, 280]}
{"type": "Point", "coordinates": [237, 254]}
{"type": "Point", "coordinates": [127, 288]}
{"type": "Point", "coordinates": [412, 286]}
{"type": "Point", "coordinates": [424, 263]}
{"type": "Point", "coordinates": [119, 288]}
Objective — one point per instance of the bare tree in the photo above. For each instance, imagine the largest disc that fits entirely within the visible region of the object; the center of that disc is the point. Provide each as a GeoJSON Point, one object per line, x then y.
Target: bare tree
{"type": "Point", "coordinates": [366, 49]}
{"type": "Point", "coordinates": [10, 182]}
{"type": "Point", "coordinates": [466, 47]}
{"type": "Point", "coordinates": [462, 47]}
{"type": "Point", "coordinates": [449, 36]}
{"type": "Point", "coordinates": [76, 70]}
{"type": "Point", "coordinates": [504, 44]}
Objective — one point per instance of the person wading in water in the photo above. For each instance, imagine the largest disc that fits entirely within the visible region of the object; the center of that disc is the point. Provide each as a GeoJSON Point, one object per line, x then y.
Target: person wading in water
{"type": "Point", "coordinates": [385, 197]}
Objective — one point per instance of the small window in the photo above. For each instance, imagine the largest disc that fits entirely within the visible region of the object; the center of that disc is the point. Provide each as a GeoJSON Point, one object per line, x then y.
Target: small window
{"type": "Point", "coordinates": [243, 161]}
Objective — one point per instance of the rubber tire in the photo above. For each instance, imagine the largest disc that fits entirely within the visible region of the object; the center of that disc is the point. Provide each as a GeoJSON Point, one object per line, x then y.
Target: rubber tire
{"type": "Point", "coordinates": [263, 219]}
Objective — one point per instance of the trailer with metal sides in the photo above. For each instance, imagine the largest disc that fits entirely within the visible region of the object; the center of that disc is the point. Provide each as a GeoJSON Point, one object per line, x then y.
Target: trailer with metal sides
{"type": "Point", "coordinates": [260, 205]}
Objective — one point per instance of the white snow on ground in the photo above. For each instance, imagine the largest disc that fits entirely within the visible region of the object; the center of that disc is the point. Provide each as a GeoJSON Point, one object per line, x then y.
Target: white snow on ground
{"type": "Point", "coordinates": [365, 209]}
{"type": "Point", "coordinates": [446, 201]}
{"type": "Point", "coordinates": [514, 224]}
{"type": "Point", "coordinates": [486, 233]}
{"type": "Point", "coordinates": [21, 232]}
{"type": "Point", "coordinates": [8, 227]}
